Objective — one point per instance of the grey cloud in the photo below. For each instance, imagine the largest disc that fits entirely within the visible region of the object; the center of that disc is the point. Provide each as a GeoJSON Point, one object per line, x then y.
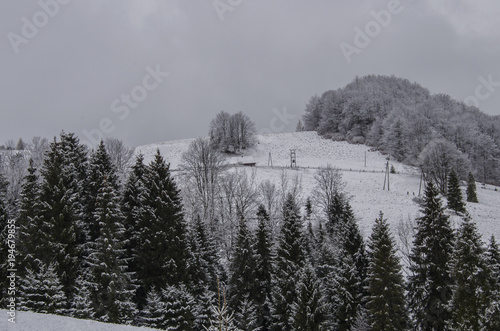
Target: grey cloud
{"type": "Point", "coordinates": [264, 55]}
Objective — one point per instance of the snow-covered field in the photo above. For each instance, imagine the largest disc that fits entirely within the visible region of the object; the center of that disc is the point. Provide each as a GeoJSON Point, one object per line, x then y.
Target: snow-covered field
{"type": "Point", "coordinates": [26, 321]}
{"type": "Point", "coordinates": [364, 184]}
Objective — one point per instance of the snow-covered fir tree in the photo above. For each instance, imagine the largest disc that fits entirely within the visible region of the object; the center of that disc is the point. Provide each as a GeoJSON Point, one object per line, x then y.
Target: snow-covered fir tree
{"type": "Point", "coordinates": [111, 283]}
{"type": "Point", "coordinates": [205, 263]}
{"type": "Point", "coordinates": [82, 306]}
{"type": "Point", "coordinates": [290, 258]}
{"type": "Point", "coordinates": [153, 314]}
{"type": "Point", "coordinates": [179, 309]}
{"type": "Point", "coordinates": [62, 192]}
{"type": "Point", "coordinates": [492, 256]}
{"type": "Point", "coordinates": [4, 248]}
{"type": "Point", "coordinates": [310, 308]}
{"type": "Point", "coordinates": [42, 291]}
{"type": "Point", "coordinates": [163, 251]}
{"type": "Point", "coordinates": [130, 206]}
{"type": "Point", "coordinates": [471, 275]}
{"type": "Point", "coordinates": [242, 282]}
{"type": "Point", "coordinates": [263, 248]}
{"type": "Point", "coordinates": [471, 189]}
{"type": "Point", "coordinates": [429, 285]}
{"type": "Point", "coordinates": [100, 168]}
{"type": "Point", "coordinates": [386, 294]}
{"type": "Point", "coordinates": [245, 317]}
{"type": "Point", "coordinates": [31, 226]}
{"type": "Point", "coordinates": [454, 193]}
{"type": "Point", "coordinates": [343, 284]}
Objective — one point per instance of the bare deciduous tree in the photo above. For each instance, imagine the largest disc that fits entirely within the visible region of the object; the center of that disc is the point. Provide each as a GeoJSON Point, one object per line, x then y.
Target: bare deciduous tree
{"type": "Point", "coordinates": [438, 158]}
{"type": "Point", "coordinates": [119, 153]}
{"type": "Point", "coordinates": [328, 184]}
{"type": "Point", "coordinates": [230, 133]}
{"type": "Point", "coordinates": [37, 147]}
{"type": "Point", "coordinates": [204, 165]}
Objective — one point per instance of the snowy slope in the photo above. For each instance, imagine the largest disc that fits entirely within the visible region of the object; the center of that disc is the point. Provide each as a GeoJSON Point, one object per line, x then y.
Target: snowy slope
{"type": "Point", "coordinates": [26, 321]}
{"type": "Point", "coordinates": [364, 184]}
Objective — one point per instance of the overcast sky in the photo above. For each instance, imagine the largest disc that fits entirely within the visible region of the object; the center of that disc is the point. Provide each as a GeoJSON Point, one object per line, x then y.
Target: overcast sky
{"type": "Point", "coordinates": [70, 67]}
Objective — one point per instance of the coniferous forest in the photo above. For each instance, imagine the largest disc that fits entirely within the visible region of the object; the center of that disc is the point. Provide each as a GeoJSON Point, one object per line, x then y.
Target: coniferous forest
{"type": "Point", "coordinates": [201, 250]}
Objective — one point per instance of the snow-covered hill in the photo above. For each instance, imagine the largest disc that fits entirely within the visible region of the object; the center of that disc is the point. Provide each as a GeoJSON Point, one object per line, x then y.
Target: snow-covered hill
{"type": "Point", "coordinates": [364, 184]}
{"type": "Point", "coordinates": [26, 321]}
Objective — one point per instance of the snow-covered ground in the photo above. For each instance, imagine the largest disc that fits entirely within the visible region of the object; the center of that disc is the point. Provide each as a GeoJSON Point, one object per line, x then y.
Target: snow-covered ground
{"type": "Point", "coordinates": [364, 184]}
{"type": "Point", "coordinates": [26, 321]}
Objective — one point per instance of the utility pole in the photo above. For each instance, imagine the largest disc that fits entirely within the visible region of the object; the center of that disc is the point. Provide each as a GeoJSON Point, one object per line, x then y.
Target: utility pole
{"type": "Point", "coordinates": [269, 160]}
{"type": "Point", "coordinates": [386, 176]}
{"type": "Point", "coordinates": [293, 159]}
{"type": "Point", "coordinates": [365, 159]}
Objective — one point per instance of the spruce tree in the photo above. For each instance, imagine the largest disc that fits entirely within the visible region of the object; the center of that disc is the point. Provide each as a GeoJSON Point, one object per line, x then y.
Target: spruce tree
{"type": "Point", "coordinates": [471, 189]}
{"type": "Point", "coordinates": [242, 281]}
{"type": "Point", "coordinates": [470, 272]}
{"type": "Point", "coordinates": [429, 287]}
{"type": "Point", "coordinates": [62, 193]}
{"type": "Point", "coordinates": [454, 194]}
{"type": "Point", "coordinates": [310, 308]}
{"type": "Point", "coordinates": [386, 301]}
{"type": "Point", "coordinates": [179, 309]}
{"type": "Point", "coordinates": [111, 283]}
{"type": "Point", "coordinates": [82, 306]}
{"type": "Point", "coordinates": [290, 258]}
{"type": "Point", "coordinates": [32, 228]}
{"type": "Point", "coordinates": [163, 251]}
{"type": "Point", "coordinates": [343, 284]}
{"type": "Point", "coordinates": [100, 168]}
{"type": "Point", "coordinates": [205, 264]}
{"type": "Point", "coordinates": [263, 268]}
{"type": "Point", "coordinates": [42, 291]}
{"type": "Point", "coordinates": [153, 314]}
{"type": "Point", "coordinates": [245, 317]}
{"type": "Point", "coordinates": [492, 316]}
{"type": "Point", "coordinates": [131, 205]}
{"type": "Point", "coordinates": [4, 244]}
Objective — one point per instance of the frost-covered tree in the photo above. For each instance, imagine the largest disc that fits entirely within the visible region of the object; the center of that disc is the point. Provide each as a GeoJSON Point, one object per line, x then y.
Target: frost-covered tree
{"type": "Point", "coordinates": [179, 309]}
{"type": "Point", "coordinates": [312, 117]}
{"type": "Point", "coordinates": [42, 291]}
{"type": "Point", "coordinates": [130, 207]}
{"type": "Point", "coordinates": [429, 285]}
{"type": "Point", "coordinates": [4, 244]}
{"type": "Point", "coordinates": [246, 318]}
{"type": "Point", "coordinates": [63, 178]}
{"type": "Point", "coordinates": [153, 314]}
{"type": "Point", "coordinates": [343, 282]}
{"type": "Point", "coordinates": [163, 252]}
{"type": "Point", "coordinates": [454, 193]}
{"type": "Point", "coordinates": [470, 272]}
{"type": "Point", "coordinates": [119, 154]}
{"type": "Point", "coordinates": [82, 306]}
{"type": "Point", "coordinates": [100, 169]}
{"type": "Point", "coordinates": [242, 282]}
{"type": "Point", "coordinates": [386, 294]}
{"type": "Point", "coordinates": [310, 308]}
{"type": "Point", "coordinates": [203, 167]}
{"type": "Point", "coordinates": [230, 133]}
{"type": "Point", "coordinates": [471, 189]}
{"type": "Point", "coordinates": [111, 283]}
{"type": "Point", "coordinates": [492, 256]}
{"type": "Point", "coordinates": [205, 265]}
{"type": "Point", "coordinates": [290, 258]}
{"type": "Point", "coordinates": [263, 247]}
{"type": "Point", "coordinates": [437, 160]}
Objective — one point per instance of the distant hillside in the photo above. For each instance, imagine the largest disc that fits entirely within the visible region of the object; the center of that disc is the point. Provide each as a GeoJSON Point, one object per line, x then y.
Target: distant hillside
{"type": "Point", "coordinates": [402, 118]}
